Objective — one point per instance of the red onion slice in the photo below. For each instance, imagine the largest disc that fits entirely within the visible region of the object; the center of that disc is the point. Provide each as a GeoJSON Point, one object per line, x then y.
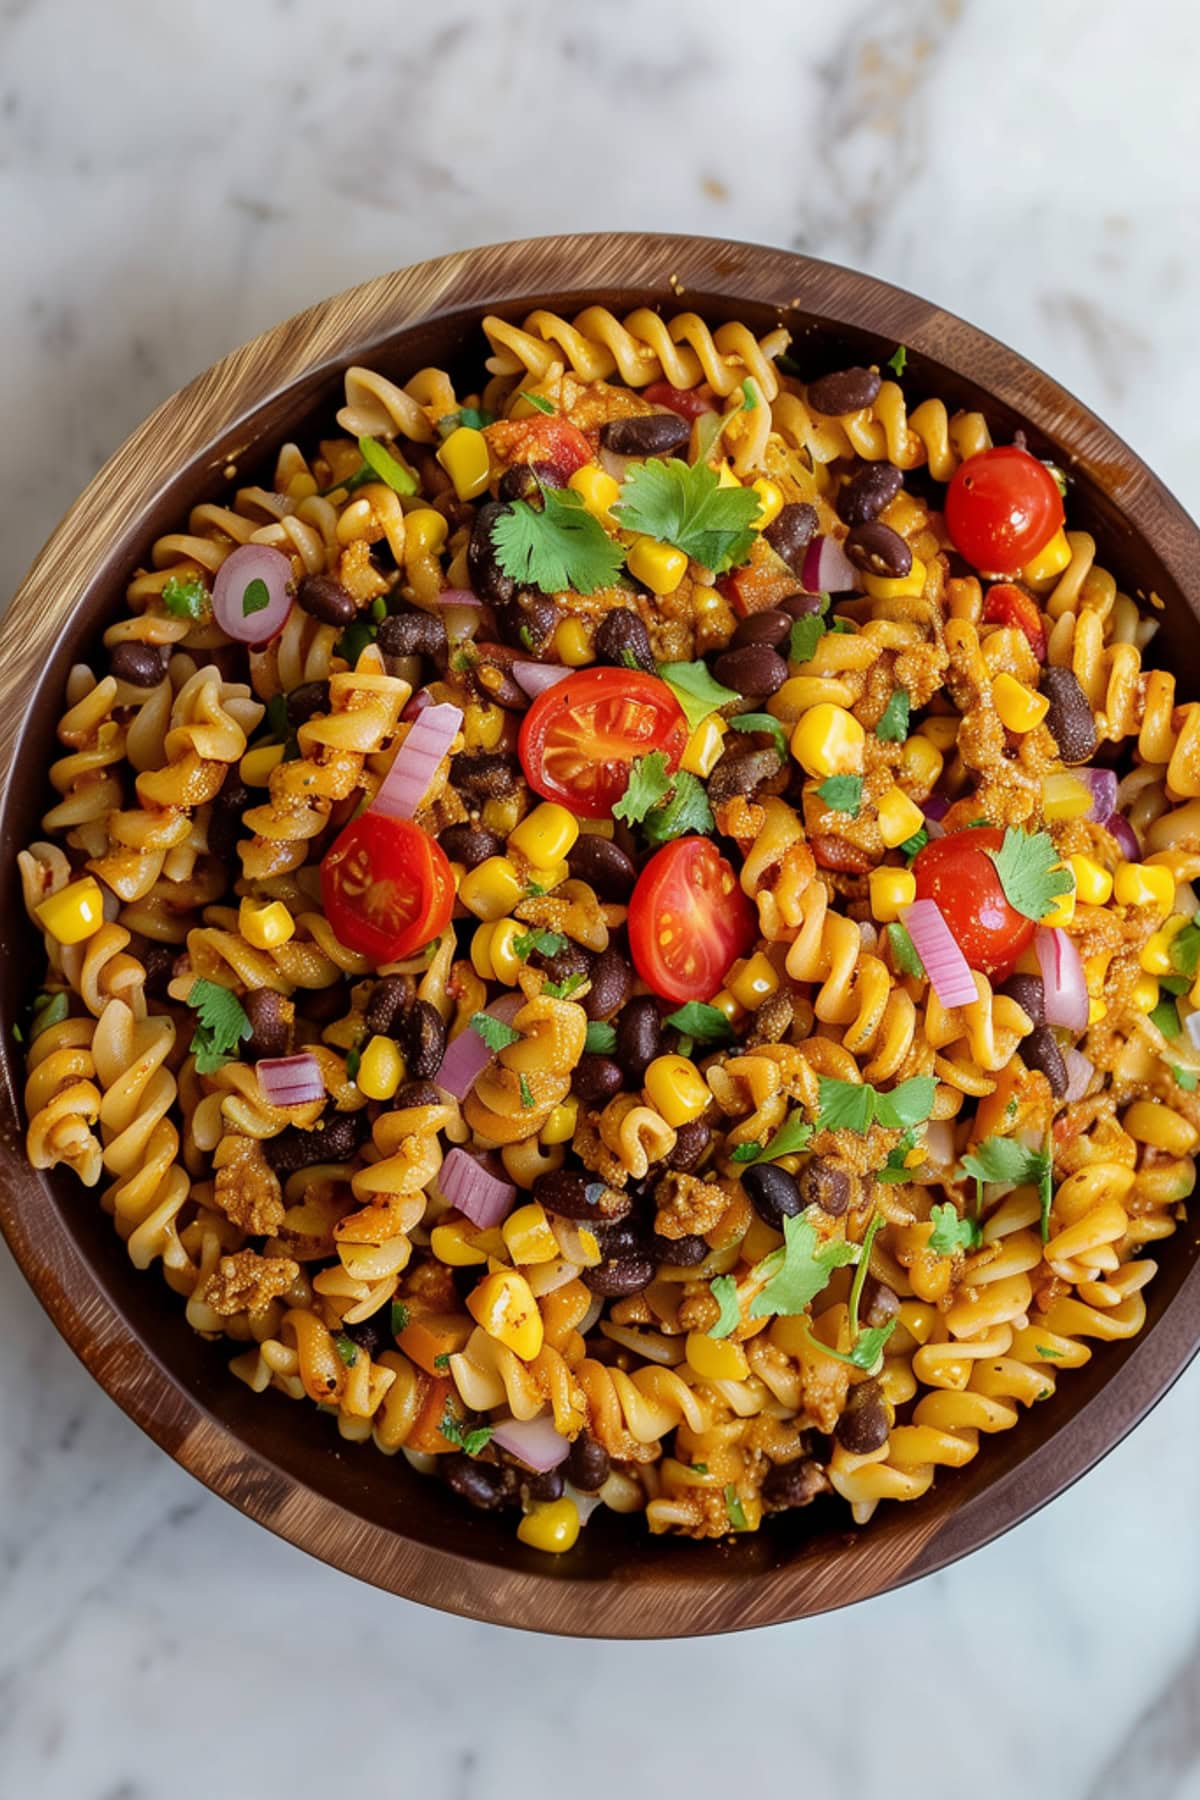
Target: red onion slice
{"type": "Point", "coordinates": [828, 570]}
{"type": "Point", "coordinates": [479, 1195]}
{"type": "Point", "coordinates": [252, 593]}
{"type": "Point", "coordinates": [1103, 783]}
{"type": "Point", "coordinates": [468, 1056]}
{"type": "Point", "coordinates": [534, 1442]}
{"type": "Point", "coordinates": [420, 700]}
{"type": "Point", "coordinates": [946, 966]}
{"type": "Point", "coordinates": [415, 764]}
{"type": "Point", "coordinates": [1192, 1026]}
{"type": "Point", "coordinates": [290, 1080]}
{"type": "Point", "coordinates": [536, 677]}
{"type": "Point", "coordinates": [1066, 995]}
{"type": "Point", "coordinates": [461, 614]}
{"type": "Point", "coordinates": [1118, 827]}
{"type": "Point", "coordinates": [1079, 1074]}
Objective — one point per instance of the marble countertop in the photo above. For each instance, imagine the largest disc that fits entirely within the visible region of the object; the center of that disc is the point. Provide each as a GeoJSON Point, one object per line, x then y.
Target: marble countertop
{"type": "Point", "coordinates": [173, 179]}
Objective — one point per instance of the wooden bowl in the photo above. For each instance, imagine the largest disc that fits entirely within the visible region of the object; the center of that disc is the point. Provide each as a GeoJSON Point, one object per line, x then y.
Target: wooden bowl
{"type": "Point", "coordinates": [278, 1462]}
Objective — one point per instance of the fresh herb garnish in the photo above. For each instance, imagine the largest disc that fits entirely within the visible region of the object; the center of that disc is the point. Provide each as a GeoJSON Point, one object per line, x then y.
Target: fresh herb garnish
{"type": "Point", "coordinates": [473, 417]}
{"type": "Point", "coordinates": [705, 1024]}
{"type": "Point", "coordinates": [905, 951]}
{"type": "Point", "coordinates": [915, 843]}
{"type": "Point", "coordinates": [527, 1099]}
{"type": "Point", "coordinates": [442, 1361]}
{"type": "Point", "coordinates": [539, 402]}
{"type": "Point", "coordinates": [1184, 1078]}
{"type": "Point", "coordinates": [221, 1024]}
{"type": "Point", "coordinates": [48, 1010]}
{"type": "Point", "coordinates": [856, 1106]}
{"type": "Point", "coordinates": [805, 635]}
{"type": "Point", "coordinates": [735, 1509]}
{"type": "Point", "coordinates": [685, 505]}
{"type": "Point", "coordinates": [724, 1292]}
{"type": "Point", "coordinates": [1184, 949]}
{"type": "Point", "coordinates": [601, 1039]}
{"type": "Point", "coordinates": [346, 1348]}
{"type": "Point", "coordinates": [255, 597]}
{"type": "Point", "coordinates": [893, 724]}
{"type": "Point", "coordinates": [763, 722]}
{"type": "Point", "coordinates": [559, 547]}
{"type": "Point", "coordinates": [842, 793]}
{"type": "Point", "coordinates": [649, 784]}
{"type": "Point", "coordinates": [685, 812]}
{"type": "Point", "coordinates": [186, 598]}
{"type": "Point", "coordinates": [353, 1062]}
{"type": "Point", "coordinates": [385, 466]}
{"type": "Point", "coordinates": [398, 1319]}
{"type": "Point", "coordinates": [699, 1468]}
{"type": "Point", "coordinates": [494, 1032]}
{"type": "Point", "coordinates": [1050, 1355]}
{"type": "Point", "coordinates": [562, 990]}
{"type": "Point", "coordinates": [547, 943]}
{"type": "Point", "coordinates": [896, 1167]}
{"type": "Point", "coordinates": [1025, 863]}
{"type": "Point", "coordinates": [471, 1442]}
{"type": "Point", "coordinates": [1004, 1159]}
{"type": "Point", "coordinates": [696, 691]}
{"type": "Point", "coordinates": [950, 1233]}
{"type": "Point", "coordinates": [799, 1270]}
{"type": "Point", "coordinates": [897, 362]}
{"type": "Point", "coordinates": [354, 640]}
{"type": "Point", "coordinates": [789, 1140]}
{"type": "Point", "coordinates": [1165, 1017]}
{"type": "Point", "coordinates": [745, 1153]}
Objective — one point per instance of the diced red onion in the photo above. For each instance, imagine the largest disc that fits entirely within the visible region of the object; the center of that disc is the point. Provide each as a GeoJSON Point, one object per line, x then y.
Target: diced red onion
{"type": "Point", "coordinates": [828, 570]}
{"type": "Point", "coordinates": [534, 1442]}
{"type": "Point", "coordinates": [478, 1194]}
{"type": "Point", "coordinates": [247, 574]}
{"type": "Point", "coordinates": [939, 1143]}
{"type": "Point", "coordinates": [420, 700]}
{"type": "Point", "coordinates": [461, 614]}
{"type": "Point", "coordinates": [1118, 827]}
{"type": "Point", "coordinates": [1192, 1026]}
{"type": "Point", "coordinates": [935, 808]}
{"type": "Point", "coordinates": [536, 677]}
{"type": "Point", "coordinates": [1079, 1074]}
{"type": "Point", "coordinates": [1063, 980]}
{"type": "Point", "coordinates": [935, 944]}
{"type": "Point", "coordinates": [467, 1056]}
{"type": "Point", "coordinates": [290, 1080]}
{"type": "Point", "coordinates": [1103, 783]}
{"type": "Point", "coordinates": [415, 764]}
{"type": "Point", "coordinates": [459, 597]}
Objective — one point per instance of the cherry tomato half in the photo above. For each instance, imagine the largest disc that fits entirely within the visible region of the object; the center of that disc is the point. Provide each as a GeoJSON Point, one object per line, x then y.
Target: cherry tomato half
{"type": "Point", "coordinates": [556, 446]}
{"type": "Point", "coordinates": [580, 736]}
{"type": "Point", "coordinates": [1009, 605]}
{"type": "Point", "coordinates": [386, 887]}
{"type": "Point", "coordinates": [689, 403]}
{"type": "Point", "coordinates": [1002, 507]}
{"type": "Point", "coordinates": [956, 872]}
{"type": "Point", "coordinates": [688, 920]}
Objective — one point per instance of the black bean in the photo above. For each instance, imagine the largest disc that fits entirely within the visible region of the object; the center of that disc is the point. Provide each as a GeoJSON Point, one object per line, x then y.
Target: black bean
{"type": "Point", "coordinates": [306, 701]}
{"type": "Point", "coordinates": [527, 621]}
{"type": "Point", "coordinates": [159, 961]}
{"type": "Point", "coordinates": [646, 434]}
{"type": "Point", "coordinates": [878, 1303]}
{"type": "Point", "coordinates": [373, 1334]}
{"type": "Point", "coordinates": [618, 1276]}
{"type": "Point", "coordinates": [488, 579]}
{"type": "Point", "coordinates": [771, 628]}
{"type": "Point", "coordinates": [572, 959]}
{"type": "Point", "coordinates": [491, 673]}
{"type": "Point", "coordinates": [754, 669]}
{"type": "Point", "coordinates": [773, 1193]}
{"type": "Point", "coordinates": [823, 1184]}
{"type": "Point", "coordinates": [225, 828]}
{"type": "Point", "coordinates": [863, 1426]}
{"type": "Point", "coordinates": [1029, 994]}
{"type": "Point", "coordinates": [595, 1079]}
{"type": "Point", "coordinates": [612, 981]}
{"type": "Point", "coordinates": [270, 1017]}
{"type": "Point", "coordinates": [484, 775]}
{"type": "Point", "coordinates": [877, 549]}
{"type": "Point", "coordinates": [802, 606]}
{"type": "Point", "coordinates": [741, 772]}
{"type": "Point", "coordinates": [415, 1093]}
{"type": "Point", "coordinates": [574, 1195]}
{"type": "Point", "coordinates": [324, 598]}
{"type": "Point", "coordinates": [519, 483]}
{"type": "Point", "coordinates": [790, 533]}
{"type": "Point", "coordinates": [623, 641]}
{"type": "Point", "coordinates": [679, 1253]}
{"type": "Point", "coordinates": [604, 866]}
{"type": "Point", "coordinates": [1069, 721]}
{"type": "Point", "coordinates": [422, 1039]}
{"type": "Point", "coordinates": [335, 1141]}
{"type": "Point", "coordinates": [587, 1464]}
{"type": "Point", "coordinates": [486, 1486]}
{"type": "Point", "coordinates": [323, 1005]}
{"type": "Point", "coordinates": [1040, 1051]}
{"type": "Point", "coordinates": [794, 1484]}
{"type": "Point", "coordinates": [691, 1141]}
{"type": "Point", "coordinates": [845, 391]}
{"type": "Point", "coordinates": [412, 634]}
{"type": "Point", "coordinates": [470, 844]}
{"type": "Point", "coordinates": [390, 999]}
{"type": "Point", "coordinates": [867, 493]}
{"type": "Point", "coordinates": [639, 1036]}
{"type": "Point", "coordinates": [141, 665]}
{"type": "Point", "coordinates": [545, 1486]}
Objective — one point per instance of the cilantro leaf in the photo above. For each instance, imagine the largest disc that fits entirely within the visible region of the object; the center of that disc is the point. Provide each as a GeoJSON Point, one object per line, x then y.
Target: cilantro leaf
{"type": "Point", "coordinates": [346, 1348]}
{"type": "Point", "coordinates": [474, 417]}
{"type": "Point", "coordinates": [185, 599]}
{"type": "Point", "coordinates": [763, 722]}
{"type": "Point", "coordinates": [846, 1105]}
{"type": "Point", "coordinates": [526, 1091]}
{"type": "Point", "coordinates": [792, 1136]}
{"type": "Point", "coordinates": [867, 1347]}
{"type": "Point", "coordinates": [685, 505]}
{"type": "Point", "coordinates": [909, 1103]}
{"type": "Point", "coordinates": [806, 634]}
{"type": "Point", "coordinates": [562, 990]}
{"type": "Point", "coordinates": [560, 547]}
{"type": "Point", "coordinates": [1184, 1078]}
{"type": "Point", "coordinates": [601, 1038]}
{"type": "Point", "coordinates": [442, 1362]}
{"type": "Point", "coordinates": [393, 473]}
{"type": "Point", "coordinates": [221, 1025]}
{"type": "Point", "coordinates": [897, 362]}
{"type": "Point", "coordinates": [905, 951]}
{"type": "Point", "coordinates": [842, 793]}
{"type": "Point", "coordinates": [255, 597]}
{"type": "Point", "coordinates": [1004, 1159]}
{"type": "Point", "coordinates": [707, 1024]}
{"type": "Point", "coordinates": [950, 1233]}
{"type": "Point", "coordinates": [896, 1167]}
{"type": "Point", "coordinates": [539, 402]}
{"type": "Point", "coordinates": [649, 783]}
{"type": "Point", "coordinates": [745, 1152]}
{"type": "Point", "coordinates": [1025, 863]}
{"type": "Point", "coordinates": [398, 1318]}
{"type": "Point", "coordinates": [695, 689]}
{"type": "Point", "coordinates": [494, 1032]}
{"type": "Point", "coordinates": [893, 724]}
{"type": "Point", "coordinates": [685, 812]}
{"type": "Point", "coordinates": [548, 943]}
{"type": "Point", "coordinates": [799, 1270]}
{"type": "Point", "coordinates": [735, 1509]}
{"type": "Point", "coordinates": [354, 640]}
{"type": "Point", "coordinates": [472, 1442]}
{"type": "Point", "coordinates": [1184, 950]}
{"type": "Point", "coordinates": [724, 1292]}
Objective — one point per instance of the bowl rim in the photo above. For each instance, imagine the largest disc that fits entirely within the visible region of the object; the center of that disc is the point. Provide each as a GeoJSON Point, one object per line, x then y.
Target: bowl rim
{"type": "Point", "coordinates": [210, 410]}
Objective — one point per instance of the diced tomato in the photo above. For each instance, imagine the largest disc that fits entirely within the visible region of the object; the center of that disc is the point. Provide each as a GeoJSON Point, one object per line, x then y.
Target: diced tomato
{"type": "Point", "coordinates": [554, 443]}
{"type": "Point", "coordinates": [757, 586]}
{"type": "Point", "coordinates": [386, 887]}
{"type": "Point", "coordinates": [958, 873]}
{"type": "Point", "coordinates": [688, 920]}
{"type": "Point", "coordinates": [689, 403]}
{"type": "Point", "coordinates": [1009, 605]}
{"type": "Point", "coordinates": [581, 737]}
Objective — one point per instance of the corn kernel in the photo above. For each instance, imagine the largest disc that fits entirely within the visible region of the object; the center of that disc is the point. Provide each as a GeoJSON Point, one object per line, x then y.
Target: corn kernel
{"type": "Point", "coordinates": [726, 477]}
{"type": "Point", "coordinates": [491, 890]}
{"type": "Point", "coordinates": [703, 749]}
{"type": "Point", "coordinates": [380, 1069]}
{"type": "Point", "coordinates": [464, 456]}
{"type": "Point", "coordinates": [660, 566]}
{"type": "Point", "coordinates": [547, 878]}
{"type": "Point", "coordinates": [528, 1235]}
{"type": "Point", "coordinates": [425, 532]}
{"type": "Point", "coordinates": [770, 503]}
{"type": "Point", "coordinates": [828, 740]}
{"type": "Point", "coordinates": [899, 817]}
{"type": "Point", "coordinates": [1155, 953]}
{"type": "Point", "coordinates": [709, 604]}
{"type": "Point", "coordinates": [1061, 913]}
{"type": "Point", "coordinates": [560, 1123]}
{"type": "Point", "coordinates": [752, 981]}
{"type": "Point", "coordinates": [1144, 994]}
{"type": "Point", "coordinates": [571, 643]}
{"type": "Point", "coordinates": [457, 1243]}
{"type": "Point", "coordinates": [886, 587]}
{"type": "Point", "coordinates": [505, 1307]}
{"type": "Point", "coordinates": [1093, 883]}
{"type": "Point", "coordinates": [1095, 971]}
{"type": "Point", "coordinates": [941, 731]}
{"type": "Point", "coordinates": [1065, 797]}
{"type": "Point", "coordinates": [891, 891]}
{"type": "Point", "coordinates": [1161, 1127]}
{"type": "Point", "coordinates": [76, 912]}
{"type": "Point", "coordinates": [492, 951]}
{"type": "Point", "coordinates": [553, 1526]}
{"type": "Point", "coordinates": [255, 767]}
{"type": "Point", "coordinates": [598, 489]}
{"type": "Point", "coordinates": [921, 762]}
{"type": "Point", "coordinates": [799, 693]}
{"type": "Point", "coordinates": [1050, 560]}
{"type": "Point", "coordinates": [1018, 707]}
{"type": "Point", "coordinates": [725, 1003]}
{"type": "Point", "coordinates": [546, 835]}
{"type": "Point", "coordinates": [1097, 1010]}
{"type": "Point", "coordinates": [1144, 884]}
{"type": "Point", "coordinates": [716, 1359]}
{"type": "Point", "coordinates": [266, 927]}
{"type": "Point", "coordinates": [676, 1089]}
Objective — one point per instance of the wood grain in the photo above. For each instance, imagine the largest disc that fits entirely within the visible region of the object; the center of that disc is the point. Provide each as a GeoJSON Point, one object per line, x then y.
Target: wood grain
{"type": "Point", "coordinates": [362, 1512]}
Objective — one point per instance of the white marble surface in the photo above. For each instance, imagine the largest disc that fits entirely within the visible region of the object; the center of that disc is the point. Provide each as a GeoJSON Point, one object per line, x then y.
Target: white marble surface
{"type": "Point", "coordinates": [172, 179]}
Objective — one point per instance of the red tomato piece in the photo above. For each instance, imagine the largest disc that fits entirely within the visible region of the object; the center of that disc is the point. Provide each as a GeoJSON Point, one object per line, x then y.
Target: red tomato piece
{"type": "Point", "coordinates": [758, 585]}
{"type": "Point", "coordinates": [554, 444]}
{"type": "Point", "coordinates": [386, 887]}
{"type": "Point", "coordinates": [1002, 507]}
{"type": "Point", "coordinates": [956, 871]}
{"type": "Point", "coordinates": [1009, 605]}
{"type": "Point", "coordinates": [688, 920]}
{"type": "Point", "coordinates": [579, 738]}
{"type": "Point", "coordinates": [689, 403]}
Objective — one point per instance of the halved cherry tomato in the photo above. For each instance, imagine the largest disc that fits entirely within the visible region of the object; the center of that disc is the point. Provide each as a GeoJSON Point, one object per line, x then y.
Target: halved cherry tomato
{"type": "Point", "coordinates": [1002, 507]}
{"type": "Point", "coordinates": [956, 871]}
{"type": "Point", "coordinates": [689, 403]}
{"type": "Point", "coordinates": [688, 920]}
{"type": "Point", "coordinates": [557, 446]}
{"type": "Point", "coordinates": [386, 887]}
{"type": "Point", "coordinates": [581, 736]}
{"type": "Point", "coordinates": [1009, 605]}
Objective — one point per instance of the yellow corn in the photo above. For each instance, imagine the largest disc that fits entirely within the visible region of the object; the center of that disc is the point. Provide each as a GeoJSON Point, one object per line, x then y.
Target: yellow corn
{"type": "Point", "coordinates": [752, 981]}
{"type": "Point", "coordinates": [560, 1123]}
{"type": "Point", "coordinates": [1065, 797]}
{"type": "Point", "coordinates": [461, 1245]}
{"type": "Point", "coordinates": [1159, 1126]}
{"type": "Point", "coordinates": [381, 1069]}
{"type": "Point", "coordinates": [76, 912]}
{"type": "Point", "coordinates": [828, 740]}
{"type": "Point", "coordinates": [725, 1003]}
{"type": "Point", "coordinates": [1155, 953]}
{"type": "Point", "coordinates": [528, 1235]}
{"type": "Point", "coordinates": [546, 835]}
{"type": "Point", "coordinates": [770, 503]}
{"type": "Point", "coordinates": [659, 566]}
{"type": "Point", "coordinates": [710, 606]}
{"type": "Point", "coordinates": [716, 1359]}
{"type": "Point", "coordinates": [1097, 1010]}
{"type": "Point", "coordinates": [1144, 994]}
{"type": "Point", "coordinates": [899, 817]}
{"type": "Point", "coordinates": [492, 952]}
{"type": "Point", "coordinates": [464, 456]}
{"type": "Point", "coordinates": [887, 587]}
{"type": "Point", "coordinates": [504, 1305]}
{"type": "Point", "coordinates": [1095, 971]}
{"type": "Point", "coordinates": [891, 891]}
{"type": "Point", "coordinates": [726, 477]}
{"type": "Point", "coordinates": [1050, 560]}
{"type": "Point", "coordinates": [425, 532]}
{"type": "Point", "coordinates": [703, 749]}
{"type": "Point", "coordinates": [266, 927]}
{"type": "Point", "coordinates": [1017, 706]}
{"type": "Point", "coordinates": [676, 1089]}
{"type": "Point", "coordinates": [493, 889]}
{"type": "Point", "coordinates": [547, 878]}
{"type": "Point", "coordinates": [572, 645]}
{"type": "Point", "coordinates": [553, 1526]}
{"type": "Point", "coordinates": [1144, 884]}
{"type": "Point", "coordinates": [255, 767]}
{"type": "Point", "coordinates": [921, 762]}
{"type": "Point", "coordinates": [483, 725]}
{"type": "Point", "coordinates": [942, 732]}
{"type": "Point", "coordinates": [1093, 883]}
{"type": "Point", "coordinates": [1062, 912]}
{"type": "Point", "coordinates": [598, 489]}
